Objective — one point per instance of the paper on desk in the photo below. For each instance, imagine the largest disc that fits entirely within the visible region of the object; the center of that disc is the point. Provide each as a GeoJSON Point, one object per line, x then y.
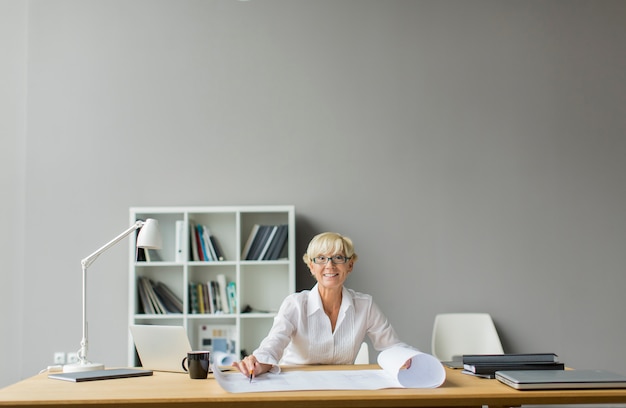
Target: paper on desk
{"type": "Point", "coordinates": [425, 372]}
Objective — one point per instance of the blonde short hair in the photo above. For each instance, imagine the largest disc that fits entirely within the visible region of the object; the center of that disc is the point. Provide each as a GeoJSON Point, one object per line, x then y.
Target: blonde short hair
{"type": "Point", "coordinates": [329, 243]}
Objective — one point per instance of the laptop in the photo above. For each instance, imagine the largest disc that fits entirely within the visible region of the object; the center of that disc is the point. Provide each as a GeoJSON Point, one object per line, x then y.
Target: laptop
{"type": "Point", "coordinates": [561, 379]}
{"type": "Point", "coordinates": [161, 348]}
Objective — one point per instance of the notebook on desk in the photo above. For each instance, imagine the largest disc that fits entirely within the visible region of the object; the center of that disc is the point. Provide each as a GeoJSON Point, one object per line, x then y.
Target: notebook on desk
{"type": "Point", "coordinates": [161, 348]}
{"type": "Point", "coordinates": [561, 379]}
{"type": "Point", "coordinates": [81, 376]}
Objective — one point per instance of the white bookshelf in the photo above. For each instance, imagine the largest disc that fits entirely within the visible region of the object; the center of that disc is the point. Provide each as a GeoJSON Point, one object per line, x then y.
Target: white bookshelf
{"type": "Point", "coordinates": [261, 284]}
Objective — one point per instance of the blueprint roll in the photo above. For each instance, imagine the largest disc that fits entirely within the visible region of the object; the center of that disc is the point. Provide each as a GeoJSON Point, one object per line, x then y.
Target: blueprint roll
{"type": "Point", "coordinates": [223, 359]}
{"type": "Point", "coordinates": [425, 370]}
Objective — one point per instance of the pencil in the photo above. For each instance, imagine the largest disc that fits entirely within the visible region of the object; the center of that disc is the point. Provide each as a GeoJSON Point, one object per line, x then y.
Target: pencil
{"type": "Point", "coordinates": [251, 373]}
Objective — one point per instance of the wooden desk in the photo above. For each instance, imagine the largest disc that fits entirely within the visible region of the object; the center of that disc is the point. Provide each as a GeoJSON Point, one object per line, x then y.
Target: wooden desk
{"type": "Point", "coordinates": [171, 389]}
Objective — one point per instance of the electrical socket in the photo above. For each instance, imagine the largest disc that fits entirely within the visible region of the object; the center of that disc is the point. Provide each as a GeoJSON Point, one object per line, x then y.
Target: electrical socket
{"type": "Point", "coordinates": [72, 358]}
{"type": "Point", "coordinates": [59, 357]}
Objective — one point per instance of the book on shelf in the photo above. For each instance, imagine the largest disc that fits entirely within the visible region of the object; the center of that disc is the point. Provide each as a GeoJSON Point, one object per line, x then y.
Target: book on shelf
{"type": "Point", "coordinates": [146, 304]}
{"type": "Point", "coordinates": [193, 240]}
{"type": "Point", "coordinates": [212, 297]}
{"type": "Point", "coordinates": [209, 243]}
{"type": "Point", "coordinates": [231, 292]}
{"type": "Point", "coordinates": [221, 286]}
{"type": "Point", "coordinates": [154, 303]}
{"type": "Point", "coordinates": [265, 242]}
{"type": "Point", "coordinates": [217, 248]}
{"type": "Point", "coordinates": [172, 303]}
{"type": "Point", "coordinates": [278, 243]}
{"type": "Point", "coordinates": [148, 255]}
{"type": "Point", "coordinates": [246, 248]}
{"type": "Point", "coordinates": [204, 245]}
{"type": "Point", "coordinates": [212, 247]}
{"type": "Point", "coordinates": [157, 297]}
{"type": "Point", "coordinates": [259, 242]}
{"type": "Point", "coordinates": [201, 293]}
{"type": "Point", "coordinates": [194, 308]}
{"type": "Point", "coordinates": [203, 248]}
{"type": "Point", "coordinates": [510, 358]}
{"type": "Point", "coordinates": [152, 255]}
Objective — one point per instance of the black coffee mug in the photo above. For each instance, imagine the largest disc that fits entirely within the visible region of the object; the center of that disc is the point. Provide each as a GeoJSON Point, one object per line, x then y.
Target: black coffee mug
{"type": "Point", "coordinates": [198, 362]}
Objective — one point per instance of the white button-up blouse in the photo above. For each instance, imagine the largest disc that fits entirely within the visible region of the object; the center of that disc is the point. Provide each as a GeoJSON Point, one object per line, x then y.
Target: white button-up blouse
{"type": "Point", "coordinates": [302, 334]}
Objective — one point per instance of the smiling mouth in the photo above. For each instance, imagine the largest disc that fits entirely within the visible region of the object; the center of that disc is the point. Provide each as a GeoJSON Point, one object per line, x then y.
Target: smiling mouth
{"type": "Point", "coordinates": [330, 275]}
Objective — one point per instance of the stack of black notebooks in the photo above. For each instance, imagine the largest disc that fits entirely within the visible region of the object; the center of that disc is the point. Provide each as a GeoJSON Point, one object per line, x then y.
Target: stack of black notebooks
{"type": "Point", "coordinates": [486, 365]}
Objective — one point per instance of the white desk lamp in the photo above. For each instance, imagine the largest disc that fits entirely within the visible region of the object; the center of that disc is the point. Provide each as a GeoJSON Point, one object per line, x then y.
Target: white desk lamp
{"type": "Point", "coordinates": [148, 238]}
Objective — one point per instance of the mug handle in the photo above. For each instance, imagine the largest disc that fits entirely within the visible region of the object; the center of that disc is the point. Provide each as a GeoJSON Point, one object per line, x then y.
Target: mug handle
{"type": "Point", "coordinates": [183, 363]}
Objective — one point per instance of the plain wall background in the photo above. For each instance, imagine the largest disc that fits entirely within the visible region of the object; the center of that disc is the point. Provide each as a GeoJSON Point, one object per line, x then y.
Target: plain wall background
{"type": "Point", "coordinates": [474, 151]}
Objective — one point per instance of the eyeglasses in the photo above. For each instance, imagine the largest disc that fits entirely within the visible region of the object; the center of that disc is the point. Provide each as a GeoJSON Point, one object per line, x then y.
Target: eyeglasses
{"type": "Point", "coordinates": [337, 259]}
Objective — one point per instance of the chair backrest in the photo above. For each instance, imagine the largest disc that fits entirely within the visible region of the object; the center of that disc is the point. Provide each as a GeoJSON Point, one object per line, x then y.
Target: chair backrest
{"type": "Point", "coordinates": [363, 356]}
{"type": "Point", "coordinates": [455, 334]}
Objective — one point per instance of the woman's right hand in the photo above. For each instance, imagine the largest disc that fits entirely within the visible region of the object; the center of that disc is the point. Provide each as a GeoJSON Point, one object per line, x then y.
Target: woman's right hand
{"type": "Point", "coordinates": [251, 366]}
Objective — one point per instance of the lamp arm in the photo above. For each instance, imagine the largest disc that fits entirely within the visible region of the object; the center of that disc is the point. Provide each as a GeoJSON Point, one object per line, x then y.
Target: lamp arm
{"type": "Point", "coordinates": [91, 258]}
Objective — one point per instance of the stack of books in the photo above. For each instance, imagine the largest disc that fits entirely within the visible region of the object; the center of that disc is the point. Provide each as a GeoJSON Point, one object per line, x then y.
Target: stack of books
{"type": "Point", "coordinates": [486, 365]}
{"type": "Point", "coordinates": [265, 242]}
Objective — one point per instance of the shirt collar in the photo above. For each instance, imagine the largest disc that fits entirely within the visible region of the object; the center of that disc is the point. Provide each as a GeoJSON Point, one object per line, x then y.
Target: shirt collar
{"type": "Point", "coordinates": [315, 300]}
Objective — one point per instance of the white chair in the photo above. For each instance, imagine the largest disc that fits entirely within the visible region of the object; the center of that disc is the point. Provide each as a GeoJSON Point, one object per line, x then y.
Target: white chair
{"type": "Point", "coordinates": [363, 356]}
{"type": "Point", "coordinates": [455, 334]}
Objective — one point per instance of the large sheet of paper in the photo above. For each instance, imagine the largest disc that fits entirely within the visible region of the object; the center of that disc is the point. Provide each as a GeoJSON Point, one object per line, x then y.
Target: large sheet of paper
{"type": "Point", "coordinates": [425, 372]}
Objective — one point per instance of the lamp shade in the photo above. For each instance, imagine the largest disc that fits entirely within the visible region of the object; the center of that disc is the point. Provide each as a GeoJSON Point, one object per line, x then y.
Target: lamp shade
{"type": "Point", "coordinates": [149, 236]}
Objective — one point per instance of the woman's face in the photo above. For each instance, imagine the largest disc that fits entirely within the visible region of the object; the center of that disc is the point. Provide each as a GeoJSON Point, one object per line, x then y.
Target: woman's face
{"type": "Point", "coordinates": [331, 270]}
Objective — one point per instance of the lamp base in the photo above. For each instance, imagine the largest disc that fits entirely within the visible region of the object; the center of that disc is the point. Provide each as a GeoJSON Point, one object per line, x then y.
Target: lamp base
{"type": "Point", "coordinates": [82, 366]}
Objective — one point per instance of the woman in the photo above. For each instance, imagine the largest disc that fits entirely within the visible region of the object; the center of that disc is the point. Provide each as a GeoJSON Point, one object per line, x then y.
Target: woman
{"type": "Point", "coordinates": [327, 324]}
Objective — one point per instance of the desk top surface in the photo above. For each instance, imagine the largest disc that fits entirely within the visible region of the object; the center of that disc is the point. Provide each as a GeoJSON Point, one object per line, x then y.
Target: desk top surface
{"type": "Point", "coordinates": [174, 388]}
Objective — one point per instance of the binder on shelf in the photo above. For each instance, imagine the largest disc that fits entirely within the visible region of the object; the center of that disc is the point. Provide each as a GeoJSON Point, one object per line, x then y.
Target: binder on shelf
{"type": "Point", "coordinates": [179, 255]}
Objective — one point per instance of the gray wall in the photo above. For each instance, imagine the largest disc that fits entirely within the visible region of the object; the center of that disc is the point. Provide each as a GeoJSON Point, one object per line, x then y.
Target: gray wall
{"type": "Point", "coordinates": [13, 25]}
{"type": "Point", "coordinates": [474, 150]}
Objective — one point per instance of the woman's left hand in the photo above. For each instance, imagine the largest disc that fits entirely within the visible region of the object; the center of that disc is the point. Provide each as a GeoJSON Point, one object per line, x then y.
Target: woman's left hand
{"type": "Point", "coordinates": [407, 364]}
